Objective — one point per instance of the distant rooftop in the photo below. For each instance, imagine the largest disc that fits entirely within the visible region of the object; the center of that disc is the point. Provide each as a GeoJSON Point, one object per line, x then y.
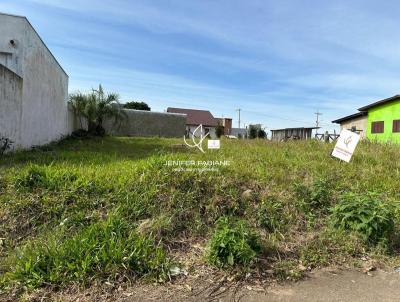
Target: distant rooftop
{"type": "Point", "coordinates": [295, 128]}
{"type": "Point", "coordinates": [196, 117]}
{"type": "Point", "coordinates": [350, 117]}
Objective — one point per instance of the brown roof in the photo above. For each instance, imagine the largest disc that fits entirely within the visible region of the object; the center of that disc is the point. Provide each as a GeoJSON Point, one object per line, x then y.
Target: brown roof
{"type": "Point", "coordinates": [196, 117]}
{"type": "Point", "coordinates": [350, 117]}
{"type": "Point", "coordinates": [296, 128]}
{"type": "Point", "coordinates": [381, 102]}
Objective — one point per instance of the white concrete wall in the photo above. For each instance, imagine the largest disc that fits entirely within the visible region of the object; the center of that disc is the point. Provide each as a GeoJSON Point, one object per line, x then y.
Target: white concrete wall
{"type": "Point", "coordinates": [239, 132]}
{"type": "Point", "coordinates": [190, 129]}
{"type": "Point", "coordinates": [361, 123]}
{"type": "Point", "coordinates": [10, 104]}
{"type": "Point", "coordinates": [44, 112]}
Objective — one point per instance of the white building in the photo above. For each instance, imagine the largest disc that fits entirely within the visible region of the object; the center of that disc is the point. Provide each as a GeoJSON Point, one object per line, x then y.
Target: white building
{"type": "Point", "coordinates": [33, 87]}
{"type": "Point", "coordinates": [357, 122]}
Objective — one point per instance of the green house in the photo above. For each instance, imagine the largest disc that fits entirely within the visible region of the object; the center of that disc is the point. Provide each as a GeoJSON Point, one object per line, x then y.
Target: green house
{"type": "Point", "coordinates": [378, 122]}
{"type": "Point", "coordinates": [383, 120]}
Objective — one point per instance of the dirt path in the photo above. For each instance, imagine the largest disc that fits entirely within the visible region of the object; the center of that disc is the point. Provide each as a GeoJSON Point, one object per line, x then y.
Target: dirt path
{"type": "Point", "coordinates": [319, 286]}
{"type": "Point", "coordinates": [324, 285]}
{"type": "Point", "coordinates": [340, 286]}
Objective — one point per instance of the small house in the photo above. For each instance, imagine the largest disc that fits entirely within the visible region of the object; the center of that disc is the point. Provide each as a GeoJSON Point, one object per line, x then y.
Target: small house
{"type": "Point", "coordinates": [379, 121]}
{"type": "Point", "coordinates": [384, 120]}
{"type": "Point", "coordinates": [292, 133]}
{"type": "Point", "coordinates": [226, 123]}
{"type": "Point", "coordinates": [357, 122]}
{"type": "Point", "coordinates": [195, 118]}
{"type": "Point", "coordinates": [239, 132]}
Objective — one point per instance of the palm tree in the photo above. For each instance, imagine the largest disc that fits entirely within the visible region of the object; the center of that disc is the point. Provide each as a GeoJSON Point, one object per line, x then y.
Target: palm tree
{"type": "Point", "coordinates": [78, 103]}
{"type": "Point", "coordinates": [96, 107]}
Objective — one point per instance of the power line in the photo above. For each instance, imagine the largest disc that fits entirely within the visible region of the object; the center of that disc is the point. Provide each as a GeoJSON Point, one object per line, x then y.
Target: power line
{"type": "Point", "coordinates": [276, 117]}
{"type": "Point", "coordinates": [285, 118]}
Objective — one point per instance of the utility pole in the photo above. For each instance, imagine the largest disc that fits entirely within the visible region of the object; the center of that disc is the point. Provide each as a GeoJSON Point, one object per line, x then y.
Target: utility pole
{"type": "Point", "coordinates": [317, 121]}
{"type": "Point", "coordinates": [238, 110]}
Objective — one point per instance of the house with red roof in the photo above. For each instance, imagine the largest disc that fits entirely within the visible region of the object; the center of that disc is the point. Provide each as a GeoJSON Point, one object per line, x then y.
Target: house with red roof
{"type": "Point", "coordinates": [195, 118]}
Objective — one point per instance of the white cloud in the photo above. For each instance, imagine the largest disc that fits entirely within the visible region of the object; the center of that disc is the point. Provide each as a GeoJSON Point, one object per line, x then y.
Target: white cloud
{"type": "Point", "coordinates": [282, 59]}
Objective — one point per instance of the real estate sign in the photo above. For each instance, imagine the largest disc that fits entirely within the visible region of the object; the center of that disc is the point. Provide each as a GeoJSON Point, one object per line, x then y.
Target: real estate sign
{"type": "Point", "coordinates": [213, 144]}
{"type": "Point", "coordinates": [346, 144]}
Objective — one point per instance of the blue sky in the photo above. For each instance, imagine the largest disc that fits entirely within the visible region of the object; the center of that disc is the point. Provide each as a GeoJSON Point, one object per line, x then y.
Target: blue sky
{"type": "Point", "coordinates": [279, 61]}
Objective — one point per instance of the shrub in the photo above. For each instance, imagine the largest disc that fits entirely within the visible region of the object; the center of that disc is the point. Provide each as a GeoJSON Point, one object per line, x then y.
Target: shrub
{"type": "Point", "coordinates": [261, 133]}
{"type": "Point", "coordinates": [219, 131]}
{"type": "Point", "coordinates": [233, 243]}
{"type": "Point", "coordinates": [5, 144]}
{"type": "Point", "coordinates": [253, 132]}
{"type": "Point", "coordinates": [366, 215]}
{"type": "Point", "coordinates": [101, 250]}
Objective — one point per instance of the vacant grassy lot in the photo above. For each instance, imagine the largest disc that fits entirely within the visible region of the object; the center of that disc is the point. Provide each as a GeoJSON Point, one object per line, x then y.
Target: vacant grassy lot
{"type": "Point", "coordinates": [90, 210]}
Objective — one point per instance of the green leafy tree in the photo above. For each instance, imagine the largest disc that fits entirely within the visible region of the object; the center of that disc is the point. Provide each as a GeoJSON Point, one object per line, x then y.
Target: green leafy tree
{"type": "Point", "coordinates": [252, 132]}
{"type": "Point", "coordinates": [261, 133]}
{"type": "Point", "coordinates": [96, 107]}
{"type": "Point", "coordinates": [219, 131]}
{"type": "Point", "coordinates": [137, 106]}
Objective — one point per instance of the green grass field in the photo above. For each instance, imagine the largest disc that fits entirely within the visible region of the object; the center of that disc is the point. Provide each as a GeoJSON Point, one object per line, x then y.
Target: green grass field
{"type": "Point", "coordinates": [102, 208]}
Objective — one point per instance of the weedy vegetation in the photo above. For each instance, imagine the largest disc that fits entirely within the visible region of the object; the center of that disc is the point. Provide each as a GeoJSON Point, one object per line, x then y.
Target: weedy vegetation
{"type": "Point", "coordinates": [233, 243]}
{"type": "Point", "coordinates": [5, 144]}
{"type": "Point", "coordinates": [104, 208]}
{"type": "Point", "coordinates": [367, 215]}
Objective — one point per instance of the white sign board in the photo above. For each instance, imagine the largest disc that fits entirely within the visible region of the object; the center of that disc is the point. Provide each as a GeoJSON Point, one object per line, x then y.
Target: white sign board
{"type": "Point", "coordinates": [346, 144]}
{"type": "Point", "coordinates": [213, 144]}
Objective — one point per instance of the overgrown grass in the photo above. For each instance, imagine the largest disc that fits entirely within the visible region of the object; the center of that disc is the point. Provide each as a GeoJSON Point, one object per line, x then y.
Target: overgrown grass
{"type": "Point", "coordinates": [103, 249]}
{"type": "Point", "coordinates": [95, 209]}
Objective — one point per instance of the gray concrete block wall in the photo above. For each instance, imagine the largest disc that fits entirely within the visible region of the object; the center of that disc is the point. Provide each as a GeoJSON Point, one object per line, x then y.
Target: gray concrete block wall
{"type": "Point", "coordinates": [148, 123]}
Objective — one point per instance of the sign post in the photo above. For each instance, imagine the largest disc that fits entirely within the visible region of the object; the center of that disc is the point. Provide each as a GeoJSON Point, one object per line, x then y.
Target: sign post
{"type": "Point", "coordinates": [213, 144]}
{"type": "Point", "coordinates": [346, 144]}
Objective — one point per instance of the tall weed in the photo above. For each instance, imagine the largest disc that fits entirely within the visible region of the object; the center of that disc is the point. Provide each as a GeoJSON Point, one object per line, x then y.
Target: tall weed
{"type": "Point", "coordinates": [367, 215]}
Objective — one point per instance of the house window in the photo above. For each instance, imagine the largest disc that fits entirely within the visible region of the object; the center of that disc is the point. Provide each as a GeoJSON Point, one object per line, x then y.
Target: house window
{"type": "Point", "coordinates": [396, 126]}
{"type": "Point", "coordinates": [377, 127]}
